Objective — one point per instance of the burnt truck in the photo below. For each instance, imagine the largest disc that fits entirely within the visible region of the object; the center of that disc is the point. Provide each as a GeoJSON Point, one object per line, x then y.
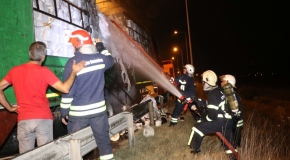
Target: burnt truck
{"type": "Point", "coordinates": [52, 21]}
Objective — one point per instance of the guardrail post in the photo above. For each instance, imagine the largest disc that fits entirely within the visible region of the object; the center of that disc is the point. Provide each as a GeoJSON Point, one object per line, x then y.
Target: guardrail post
{"type": "Point", "coordinates": [151, 112]}
{"type": "Point", "coordinates": [168, 99]}
{"type": "Point", "coordinates": [75, 149]}
{"type": "Point", "coordinates": [161, 101]}
{"type": "Point", "coordinates": [130, 123]}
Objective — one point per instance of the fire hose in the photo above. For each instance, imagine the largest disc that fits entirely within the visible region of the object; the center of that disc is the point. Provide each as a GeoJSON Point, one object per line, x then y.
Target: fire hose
{"type": "Point", "coordinates": [228, 144]}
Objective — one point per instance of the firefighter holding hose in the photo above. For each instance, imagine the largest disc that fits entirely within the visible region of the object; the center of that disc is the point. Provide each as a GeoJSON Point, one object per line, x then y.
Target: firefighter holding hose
{"type": "Point", "coordinates": [185, 83]}
{"type": "Point", "coordinates": [217, 118]}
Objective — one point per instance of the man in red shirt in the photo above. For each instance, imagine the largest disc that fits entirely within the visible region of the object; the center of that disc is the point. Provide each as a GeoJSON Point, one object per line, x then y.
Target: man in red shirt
{"type": "Point", "coordinates": [30, 82]}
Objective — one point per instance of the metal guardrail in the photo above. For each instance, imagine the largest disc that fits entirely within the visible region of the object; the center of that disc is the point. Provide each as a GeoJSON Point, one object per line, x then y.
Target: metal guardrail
{"type": "Point", "coordinates": [75, 145]}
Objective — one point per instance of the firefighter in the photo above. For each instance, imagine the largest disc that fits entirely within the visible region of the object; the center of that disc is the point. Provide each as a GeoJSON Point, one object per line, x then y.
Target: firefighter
{"type": "Point", "coordinates": [237, 114]}
{"type": "Point", "coordinates": [217, 119]}
{"type": "Point", "coordinates": [85, 104]}
{"type": "Point", "coordinates": [185, 83]}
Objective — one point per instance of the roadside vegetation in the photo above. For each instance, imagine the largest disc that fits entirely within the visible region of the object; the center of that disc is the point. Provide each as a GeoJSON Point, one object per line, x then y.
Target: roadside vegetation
{"type": "Point", "coordinates": [265, 134]}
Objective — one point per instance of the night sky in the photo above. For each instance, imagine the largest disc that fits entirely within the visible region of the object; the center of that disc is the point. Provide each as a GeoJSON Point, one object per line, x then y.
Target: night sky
{"type": "Point", "coordinates": [235, 37]}
{"type": "Point", "coordinates": [248, 39]}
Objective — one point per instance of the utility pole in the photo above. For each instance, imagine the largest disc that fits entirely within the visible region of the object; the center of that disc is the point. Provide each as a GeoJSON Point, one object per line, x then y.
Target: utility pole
{"type": "Point", "coordinates": [186, 44]}
{"type": "Point", "coordinates": [181, 58]}
{"type": "Point", "coordinates": [188, 28]}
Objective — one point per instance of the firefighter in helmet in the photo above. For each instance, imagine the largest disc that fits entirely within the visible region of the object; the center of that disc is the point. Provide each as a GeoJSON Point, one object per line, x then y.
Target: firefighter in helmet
{"type": "Point", "coordinates": [185, 83]}
{"type": "Point", "coordinates": [85, 105]}
{"type": "Point", "coordinates": [236, 110]}
{"type": "Point", "coordinates": [217, 119]}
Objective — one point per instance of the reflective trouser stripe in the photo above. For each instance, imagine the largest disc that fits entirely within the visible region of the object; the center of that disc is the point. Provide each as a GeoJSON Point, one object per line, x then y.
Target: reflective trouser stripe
{"type": "Point", "coordinates": [240, 123]}
{"type": "Point", "coordinates": [174, 120]}
{"type": "Point", "coordinates": [230, 151]}
{"type": "Point", "coordinates": [198, 131]}
{"type": "Point", "coordinates": [107, 157]}
{"type": "Point", "coordinates": [192, 133]}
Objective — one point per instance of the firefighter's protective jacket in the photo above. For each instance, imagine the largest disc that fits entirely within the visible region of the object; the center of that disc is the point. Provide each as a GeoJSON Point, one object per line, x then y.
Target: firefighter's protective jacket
{"type": "Point", "coordinates": [216, 107]}
{"type": "Point", "coordinates": [86, 96]}
{"type": "Point", "coordinates": [186, 85]}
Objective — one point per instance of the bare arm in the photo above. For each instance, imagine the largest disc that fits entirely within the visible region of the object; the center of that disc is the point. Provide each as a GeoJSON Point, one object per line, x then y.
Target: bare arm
{"type": "Point", "coordinates": [4, 84]}
{"type": "Point", "coordinates": [65, 86]}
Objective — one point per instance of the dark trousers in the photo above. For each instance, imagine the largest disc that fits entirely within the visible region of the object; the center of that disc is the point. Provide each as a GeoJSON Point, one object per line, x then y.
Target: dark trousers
{"type": "Point", "coordinates": [100, 127]}
{"type": "Point", "coordinates": [201, 129]}
{"type": "Point", "coordinates": [237, 136]}
{"type": "Point", "coordinates": [177, 110]}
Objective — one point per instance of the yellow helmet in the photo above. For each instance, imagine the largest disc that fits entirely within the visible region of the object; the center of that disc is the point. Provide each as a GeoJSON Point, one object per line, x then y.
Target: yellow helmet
{"type": "Point", "coordinates": [209, 77]}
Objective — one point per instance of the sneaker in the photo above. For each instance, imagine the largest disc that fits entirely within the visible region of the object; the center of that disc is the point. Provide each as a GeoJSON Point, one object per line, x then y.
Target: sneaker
{"type": "Point", "coordinates": [172, 124]}
{"type": "Point", "coordinates": [194, 151]}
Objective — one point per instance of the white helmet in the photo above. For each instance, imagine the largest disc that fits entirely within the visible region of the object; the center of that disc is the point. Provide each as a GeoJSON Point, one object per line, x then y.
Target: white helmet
{"type": "Point", "coordinates": [189, 69]}
{"type": "Point", "coordinates": [209, 77]}
{"type": "Point", "coordinates": [229, 78]}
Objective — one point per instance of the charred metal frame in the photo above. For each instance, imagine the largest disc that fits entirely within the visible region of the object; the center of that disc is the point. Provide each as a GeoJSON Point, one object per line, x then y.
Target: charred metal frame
{"type": "Point", "coordinates": [69, 4]}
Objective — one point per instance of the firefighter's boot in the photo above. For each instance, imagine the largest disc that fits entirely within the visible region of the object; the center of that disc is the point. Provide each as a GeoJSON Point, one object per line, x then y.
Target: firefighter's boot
{"type": "Point", "coordinates": [172, 124]}
{"type": "Point", "coordinates": [194, 151]}
{"type": "Point", "coordinates": [232, 156]}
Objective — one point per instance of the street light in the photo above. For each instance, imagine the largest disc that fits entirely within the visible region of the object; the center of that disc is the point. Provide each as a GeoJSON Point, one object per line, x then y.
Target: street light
{"type": "Point", "coordinates": [177, 61]}
{"type": "Point", "coordinates": [178, 71]}
{"type": "Point", "coordinates": [186, 45]}
{"type": "Point", "coordinates": [175, 49]}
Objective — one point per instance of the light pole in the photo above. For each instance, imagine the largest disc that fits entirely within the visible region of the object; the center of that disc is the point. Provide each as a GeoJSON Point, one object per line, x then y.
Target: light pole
{"type": "Point", "coordinates": [188, 28]}
{"type": "Point", "coordinates": [186, 43]}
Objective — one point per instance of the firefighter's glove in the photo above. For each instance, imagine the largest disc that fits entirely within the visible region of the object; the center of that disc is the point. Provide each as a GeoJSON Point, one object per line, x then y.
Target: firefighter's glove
{"type": "Point", "coordinates": [100, 47]}
{"type": "Point", "coordinates": [189, 100]}
{"type": "Point", "coordinates": [200, 102]}
{"type": "Point", "coordinates": [193, 107]}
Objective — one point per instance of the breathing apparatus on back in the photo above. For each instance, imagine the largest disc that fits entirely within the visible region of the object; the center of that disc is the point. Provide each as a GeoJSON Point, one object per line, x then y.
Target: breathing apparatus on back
{"type": "Point", "coordinates": [228, 84]}
{"type": "Point", "coordinates": [231, 97]}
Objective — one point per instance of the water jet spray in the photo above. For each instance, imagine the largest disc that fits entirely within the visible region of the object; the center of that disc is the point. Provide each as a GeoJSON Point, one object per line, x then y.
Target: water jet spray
{"type": "Point", "coordinates": [150, 67]}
